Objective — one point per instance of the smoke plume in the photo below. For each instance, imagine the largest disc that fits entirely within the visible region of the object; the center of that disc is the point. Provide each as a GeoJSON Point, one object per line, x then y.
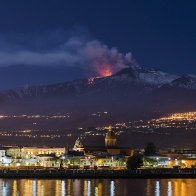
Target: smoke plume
{"type": "Point", "coordinates": [56, 50]}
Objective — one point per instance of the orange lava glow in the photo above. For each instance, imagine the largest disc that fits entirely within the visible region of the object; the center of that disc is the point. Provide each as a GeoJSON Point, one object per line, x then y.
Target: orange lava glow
{"type": "Point", "coordinates": [104, 70]}
{"type": "Point", "coordinates": [105, 73]}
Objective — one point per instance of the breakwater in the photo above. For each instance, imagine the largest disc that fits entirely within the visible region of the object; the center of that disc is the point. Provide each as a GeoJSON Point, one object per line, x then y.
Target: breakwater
{"type": "Point", "coordinates": [61, 173]}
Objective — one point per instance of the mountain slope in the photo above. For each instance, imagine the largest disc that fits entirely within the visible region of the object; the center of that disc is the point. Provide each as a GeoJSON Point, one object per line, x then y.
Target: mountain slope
{"type": "Point", "coordinates": [126, 78]}
{"type": "Point", "coordinates": [185, 81]}
{"type": "Point", "coordinates": [128, 94]}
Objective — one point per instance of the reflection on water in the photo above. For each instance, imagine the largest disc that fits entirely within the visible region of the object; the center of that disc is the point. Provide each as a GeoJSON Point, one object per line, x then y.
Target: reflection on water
{"type": "Point", "coordinates": [112, 190]}
{"type": "Point", "coordinates": [97, 187]}
{"type": "Point", "coordinates": [157, 188]}
{"type": "Point", "coordinates": [169, 188]}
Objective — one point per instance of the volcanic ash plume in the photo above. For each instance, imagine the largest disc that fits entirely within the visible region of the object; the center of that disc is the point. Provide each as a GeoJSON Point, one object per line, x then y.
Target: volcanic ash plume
{"type": "Point", "coordinates": [92, 55]}
{"type": "Point", "coordinates": [103, 60]}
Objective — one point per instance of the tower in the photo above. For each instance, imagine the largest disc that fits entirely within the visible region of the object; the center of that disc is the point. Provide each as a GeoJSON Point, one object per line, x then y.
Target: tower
{"type": "Point", "coordinates": [110, 138]}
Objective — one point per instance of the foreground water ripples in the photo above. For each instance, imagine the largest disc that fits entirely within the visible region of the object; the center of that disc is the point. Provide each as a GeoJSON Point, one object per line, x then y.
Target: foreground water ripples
{"type": "Point", "coordinates": [97, 187]}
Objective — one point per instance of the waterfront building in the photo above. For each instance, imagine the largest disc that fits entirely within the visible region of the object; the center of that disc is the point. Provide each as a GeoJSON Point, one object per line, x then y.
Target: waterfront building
{"type": "Point", "coordinates": [48, 160]}
{"type": "Point", "coordinates": [6, 161]}
{"type": "Point", "coordinates": [34, 151]}
{"type": "Point", "coordinates": [110, 149]}
{"type": "Point", "coordinates": [3, 158]}
{"type": "Point", "coordinates": [28, 152]}
{"type": "Point", "coordinates": [183, 162]}
{"type": "Point", "coordinates": [108, 155]}
{"type": "Point", "coordinates": [2, 152]}
{"type": "Point", "coordinates": [157, 161]}
{"type": "Point", "coordinates": [33, 161]}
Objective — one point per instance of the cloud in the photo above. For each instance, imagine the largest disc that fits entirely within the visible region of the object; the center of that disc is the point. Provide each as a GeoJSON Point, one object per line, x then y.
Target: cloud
{"type": "Point", "coordinates": [36, 58]}
{"type": "Point", "coordinates": [60, 48]}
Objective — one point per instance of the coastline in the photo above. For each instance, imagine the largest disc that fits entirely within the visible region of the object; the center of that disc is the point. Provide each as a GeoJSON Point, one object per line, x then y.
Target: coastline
{"type": "Point", "coordinates": [77, 174]}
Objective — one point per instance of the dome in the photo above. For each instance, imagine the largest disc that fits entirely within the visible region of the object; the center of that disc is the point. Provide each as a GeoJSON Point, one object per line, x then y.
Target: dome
{"type": "Point", "coordinates": [110, 135]}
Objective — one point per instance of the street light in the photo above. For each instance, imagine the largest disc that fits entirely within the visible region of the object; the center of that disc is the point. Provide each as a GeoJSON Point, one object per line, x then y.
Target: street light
{"type": "Point", "coordinates": [17, 164]}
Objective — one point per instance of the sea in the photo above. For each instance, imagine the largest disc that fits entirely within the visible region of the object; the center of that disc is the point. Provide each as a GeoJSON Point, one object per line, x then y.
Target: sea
{"type": "Point", "coordinates": [97, 187]}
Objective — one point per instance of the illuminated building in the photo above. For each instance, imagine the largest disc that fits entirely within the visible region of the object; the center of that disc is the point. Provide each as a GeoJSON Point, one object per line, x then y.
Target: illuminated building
{"type": "Point", "coordinates": [110, 147]}
{"type": "Point", "coordinates": [110, 138]}
{"type": "Point", "coordinates": [27, 152]}
{"type": "Point", "coordinates": [2, 154]}
{"type": "Point", "coordinates": [3, 159]}
{"type": "Point", "coordinates": [48, 160]}
{"type": "Point", "coordinates": [78, 146]}
{"type": "Point", "coordinates": [33, 151]}
{"type": "Point", "coordinates": [157, 161]}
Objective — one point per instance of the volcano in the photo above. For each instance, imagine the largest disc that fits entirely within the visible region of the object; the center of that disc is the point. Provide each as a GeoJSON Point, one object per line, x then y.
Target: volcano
{"type": "Point", "coordinates": [129, 94]}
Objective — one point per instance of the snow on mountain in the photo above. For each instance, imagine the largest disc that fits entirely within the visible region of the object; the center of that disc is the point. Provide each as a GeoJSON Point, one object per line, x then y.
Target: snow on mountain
{"type": "Point", "coordinates": [151, 76]}
{"type": "Point", "coordinates": [156, 77]}
{"type": "Point", "coordinates": [185, 81]}
{"type": "Point", "coordinates": [124, 81]}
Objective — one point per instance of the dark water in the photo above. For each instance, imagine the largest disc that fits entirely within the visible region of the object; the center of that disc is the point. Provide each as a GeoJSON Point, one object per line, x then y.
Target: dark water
{"type": "Point", "coordinates": [69, 187]}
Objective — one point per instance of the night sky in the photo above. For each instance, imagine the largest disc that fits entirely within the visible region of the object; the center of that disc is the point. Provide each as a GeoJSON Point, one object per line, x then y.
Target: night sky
{"type": "Point", "coordinates": [57, 40]}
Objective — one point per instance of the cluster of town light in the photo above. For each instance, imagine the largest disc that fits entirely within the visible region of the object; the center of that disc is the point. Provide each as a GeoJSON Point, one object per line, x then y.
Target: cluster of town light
{"type": "Point", "coordinates": [188, 116]}
{"type": "Point", "coordinates": [37, 116]}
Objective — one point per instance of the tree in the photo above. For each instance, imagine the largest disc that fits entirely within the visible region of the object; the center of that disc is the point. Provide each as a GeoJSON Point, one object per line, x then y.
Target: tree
{"type": "Point", "coordinates": [148, 162]}
{"type": "Point", "coordinates": [134, 162]}
{"type": "Point", "coordinates": [150, 149]}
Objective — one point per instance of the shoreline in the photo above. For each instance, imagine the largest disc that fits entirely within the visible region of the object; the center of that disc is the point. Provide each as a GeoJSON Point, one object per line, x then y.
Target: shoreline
{"type": "Point", "coordinates": [98, 174]}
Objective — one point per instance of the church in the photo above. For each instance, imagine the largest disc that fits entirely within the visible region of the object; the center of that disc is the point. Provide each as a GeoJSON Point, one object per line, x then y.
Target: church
{"type": "Point", "coordinates": [111, 147]}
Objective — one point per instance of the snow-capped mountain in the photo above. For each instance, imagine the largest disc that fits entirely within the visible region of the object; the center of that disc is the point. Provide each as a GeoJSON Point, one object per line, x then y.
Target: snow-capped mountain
{"type": "Point", "coordinates": [128, 94]}
{"type": "Point", "coordinates": [124, 80]}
